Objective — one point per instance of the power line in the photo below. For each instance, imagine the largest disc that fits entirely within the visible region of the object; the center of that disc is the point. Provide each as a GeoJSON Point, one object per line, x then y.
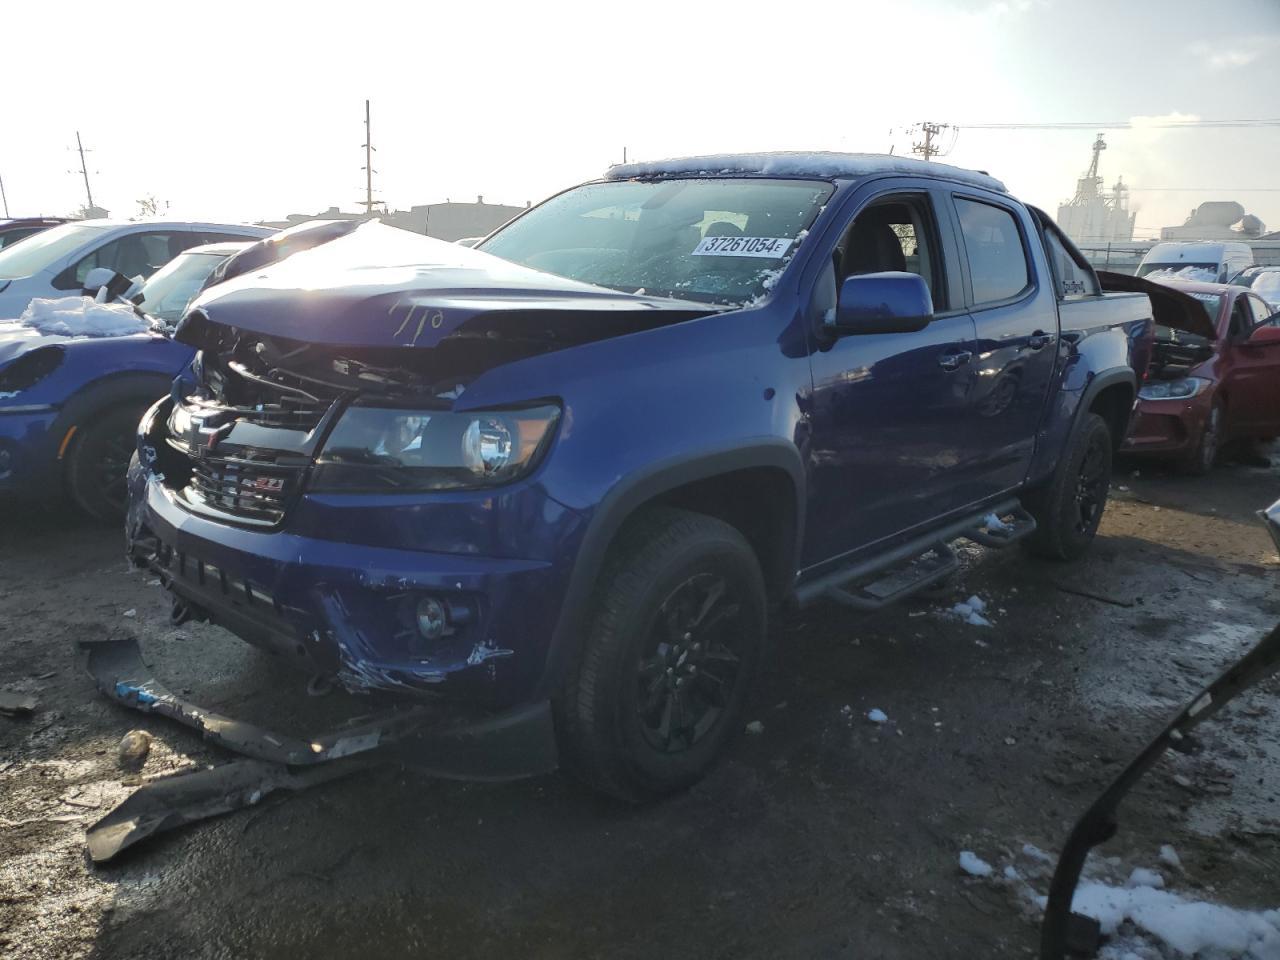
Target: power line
{"type": "Point", "coordinates": [1206, 189]}
{"type": "Point", "coordinates": [1122, 125]}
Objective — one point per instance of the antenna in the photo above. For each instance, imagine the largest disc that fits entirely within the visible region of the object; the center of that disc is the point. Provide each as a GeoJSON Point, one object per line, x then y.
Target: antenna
{"type": "Point", "coordinates": [368, 203]}
{"type": "Point", "coordinates": [84, 171]}
{"type": "Point", "coordinates": [4, 198]}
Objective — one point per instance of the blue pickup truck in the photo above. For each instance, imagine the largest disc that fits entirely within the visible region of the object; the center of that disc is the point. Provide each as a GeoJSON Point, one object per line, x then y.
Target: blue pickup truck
{"type": "Point", "coordinates": [570, 475]}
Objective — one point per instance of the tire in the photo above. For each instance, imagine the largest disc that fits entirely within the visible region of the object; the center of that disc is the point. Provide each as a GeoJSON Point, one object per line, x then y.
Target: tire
{"type": "Point", "coordinates": [1205, 455]}
{"type": "Point", "coordinates": [680, 598]}
{"type": "Point", "coordinates": [1069, 507]}
{"type": "Point", "coordinates": [99, 460]}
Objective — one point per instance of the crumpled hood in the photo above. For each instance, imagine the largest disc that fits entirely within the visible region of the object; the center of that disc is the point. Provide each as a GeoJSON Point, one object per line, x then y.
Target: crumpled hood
{"type": "Point", "coordinates": [385, 287]}
{"type": "Point", "coordinates": [1170, 308]}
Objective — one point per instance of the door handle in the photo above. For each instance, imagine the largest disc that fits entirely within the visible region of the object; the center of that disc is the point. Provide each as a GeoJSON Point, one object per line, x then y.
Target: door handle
{"type": "Point", "coordinates": [953, 361]}
{"type": "Point", "coordinates": [1039, 340]}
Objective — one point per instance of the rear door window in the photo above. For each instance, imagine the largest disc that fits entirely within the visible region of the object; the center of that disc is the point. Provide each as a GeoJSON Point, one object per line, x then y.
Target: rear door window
{"type": "Point", "coordinates": [1071, 275]}
{"type": "Point", "coordinates": [993, 246]}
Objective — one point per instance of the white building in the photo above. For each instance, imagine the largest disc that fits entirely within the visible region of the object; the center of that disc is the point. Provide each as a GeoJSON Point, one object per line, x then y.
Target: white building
{"type": "Point", "coordinates": [1093, 215]}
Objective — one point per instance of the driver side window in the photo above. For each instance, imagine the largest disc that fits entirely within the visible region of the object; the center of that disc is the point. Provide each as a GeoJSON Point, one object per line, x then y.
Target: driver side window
{"type": "Point", "coordinates": [894, 234]}
{"type": "Point", "coordinates": [1263, 315]}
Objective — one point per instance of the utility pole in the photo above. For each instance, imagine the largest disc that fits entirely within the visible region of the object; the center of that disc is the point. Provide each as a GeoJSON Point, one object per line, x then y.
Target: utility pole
{"type": "Point", "coordinates": [4, 198]}
{"type": "Point", "coordinates": [926, 148]}
{"type": "Point", "coordinates": [84, 171]}
{"type": "Point", "coordinates": [369, 202]}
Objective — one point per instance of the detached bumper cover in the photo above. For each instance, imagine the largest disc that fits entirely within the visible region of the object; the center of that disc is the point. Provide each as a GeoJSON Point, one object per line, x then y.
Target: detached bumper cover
{"type": "Point", "coordinates": [507, 746]}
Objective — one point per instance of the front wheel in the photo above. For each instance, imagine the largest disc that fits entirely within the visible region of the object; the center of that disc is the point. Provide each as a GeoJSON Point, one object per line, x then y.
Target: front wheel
{"type": "Point", "coordinates": [1205, 455]}
{"type": "Point", "coordinates": [99, 461]}
{"type": "Point", "coordinates": [1069, 508]}
{"type": "Point", "coordinates": [672, 648]}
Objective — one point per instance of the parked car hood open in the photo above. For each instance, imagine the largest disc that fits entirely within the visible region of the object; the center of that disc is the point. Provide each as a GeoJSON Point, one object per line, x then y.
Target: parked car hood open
{"type": "Point", "coordinates": [383, 287]}
{"type": "Point", "coordinates": [1171, 308]}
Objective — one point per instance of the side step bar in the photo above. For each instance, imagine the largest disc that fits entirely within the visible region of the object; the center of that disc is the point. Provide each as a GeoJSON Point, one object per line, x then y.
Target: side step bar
{"type": "Point", "coordinates": [864, 585]}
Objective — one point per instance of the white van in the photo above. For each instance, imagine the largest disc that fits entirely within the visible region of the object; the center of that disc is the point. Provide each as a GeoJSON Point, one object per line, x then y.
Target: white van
{"type": "Point", "coordinates": [1208, 261]}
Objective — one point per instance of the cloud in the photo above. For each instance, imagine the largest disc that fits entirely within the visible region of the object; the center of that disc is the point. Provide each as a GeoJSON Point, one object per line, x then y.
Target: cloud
{"type": "Point", "coordinates": [1230, 53]}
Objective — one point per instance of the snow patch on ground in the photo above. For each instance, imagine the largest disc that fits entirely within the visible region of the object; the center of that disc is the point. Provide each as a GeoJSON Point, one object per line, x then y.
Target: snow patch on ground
{"type": "Point", "coordinates": [1139, 918]}
{"type": "Point", "coordinates": [1188, 927]}
{"type": "Point", "coordinates": [974, 865]}
{"type": "Point", "coordinates": [995, 524]}
{"type": "Point", "coordinates": [82, 317]}
{"type": "Point", "coordinates": [971, 612]}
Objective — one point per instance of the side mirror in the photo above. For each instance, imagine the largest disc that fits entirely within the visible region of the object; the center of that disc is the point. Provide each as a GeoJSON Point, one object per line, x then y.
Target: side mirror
{"type": "Point", "coordinates": [881, 303]}
{"type": "Point", "coordinates": [1265, 334]}
{"type": "Point", "coordinates": [105, 285]}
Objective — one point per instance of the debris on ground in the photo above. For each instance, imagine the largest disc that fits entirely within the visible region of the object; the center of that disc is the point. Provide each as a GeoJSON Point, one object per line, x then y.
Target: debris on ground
{"type": "Point", "coordinates": [755, 726]}
{"type": "Point", "coordinates": [876, 715]}
{"type": "Point", "coordinates": [17, 704]}
{"type": "Point", "coordinates": [133, 749]}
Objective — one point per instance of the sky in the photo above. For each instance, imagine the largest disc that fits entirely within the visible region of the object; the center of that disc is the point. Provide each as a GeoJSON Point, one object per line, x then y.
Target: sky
{"type": "Point", "coordinates": [247, 111]}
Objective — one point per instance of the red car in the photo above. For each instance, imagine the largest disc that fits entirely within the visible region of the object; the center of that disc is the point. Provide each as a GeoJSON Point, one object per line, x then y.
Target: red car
{"type": "Point", "coordinates": [1200, 393]}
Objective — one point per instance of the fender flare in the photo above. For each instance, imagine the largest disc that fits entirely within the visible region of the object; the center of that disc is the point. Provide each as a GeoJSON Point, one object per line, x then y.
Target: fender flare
{"type": "Point", "coordinates": [1104, 380]}
{"type": "Point", "coordinates": [91, 399]}
{"type": "Point", "coordinates": [622, 501]}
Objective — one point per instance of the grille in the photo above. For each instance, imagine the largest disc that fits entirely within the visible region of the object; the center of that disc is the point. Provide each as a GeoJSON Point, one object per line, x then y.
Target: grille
{"type": "Point", "coordinates": [244, 490]}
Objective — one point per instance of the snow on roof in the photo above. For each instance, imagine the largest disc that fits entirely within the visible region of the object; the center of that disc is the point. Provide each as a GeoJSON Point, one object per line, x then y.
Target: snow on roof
{"type": "Point", "coordinates": [825, 164]}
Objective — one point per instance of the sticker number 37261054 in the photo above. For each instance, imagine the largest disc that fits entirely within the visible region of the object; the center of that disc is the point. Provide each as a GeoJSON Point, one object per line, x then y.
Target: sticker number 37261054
{"type": "Point", "coordinates": [773, 247]}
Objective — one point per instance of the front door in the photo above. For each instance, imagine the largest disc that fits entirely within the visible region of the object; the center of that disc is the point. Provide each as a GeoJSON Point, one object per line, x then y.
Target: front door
{"type": "Point", "coordinates": [1252, 381]}
{"type": "Point", "coordinates": [888, 414]}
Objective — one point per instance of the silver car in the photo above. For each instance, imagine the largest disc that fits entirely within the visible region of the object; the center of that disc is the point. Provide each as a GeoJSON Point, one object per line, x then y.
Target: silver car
{"type": "Point", "coordinates": [56, 262]}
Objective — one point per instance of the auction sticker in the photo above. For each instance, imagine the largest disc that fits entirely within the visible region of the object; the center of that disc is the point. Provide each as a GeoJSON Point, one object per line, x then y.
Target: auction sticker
{"type": "Point", "coordinates": [772, 247]}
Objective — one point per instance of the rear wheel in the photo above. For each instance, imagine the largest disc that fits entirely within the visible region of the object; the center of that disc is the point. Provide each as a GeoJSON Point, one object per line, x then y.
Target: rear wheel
{"type": "Point", "coordinates": [1069, 508]}
{"type": "Point", "coordinates": [673, 645]}
{"type": "Point", "coordinates": [1205, 455]}
{"type": "Point", "coordinates": [98, 462]}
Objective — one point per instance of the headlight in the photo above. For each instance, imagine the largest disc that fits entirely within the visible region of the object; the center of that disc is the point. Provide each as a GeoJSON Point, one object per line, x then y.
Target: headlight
{"type": "Point", "coordinates": [29, 369]}
{"type": "Point", "coordinates": [386, 450]}
{"type": "Point", "coordinates": [1172, 389]}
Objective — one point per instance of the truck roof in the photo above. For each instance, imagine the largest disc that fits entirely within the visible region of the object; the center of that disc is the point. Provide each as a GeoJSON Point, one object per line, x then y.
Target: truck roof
{"type": "Point", "coordinates": [823, 164]}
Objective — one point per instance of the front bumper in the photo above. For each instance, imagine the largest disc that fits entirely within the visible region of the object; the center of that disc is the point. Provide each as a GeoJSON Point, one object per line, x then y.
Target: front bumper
{"type": "Point", "coordinates": [347, 610]}
{"type": "Point", "coordinates": [28, 450]}
{"type": "Point", "coordinates": [1168, 427]}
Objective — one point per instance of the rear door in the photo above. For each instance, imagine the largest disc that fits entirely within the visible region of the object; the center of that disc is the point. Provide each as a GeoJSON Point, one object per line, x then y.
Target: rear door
{"type": "Point", "coordinates": [1013, 304]}
{"type": "Point", "coordinates": [888, 415]}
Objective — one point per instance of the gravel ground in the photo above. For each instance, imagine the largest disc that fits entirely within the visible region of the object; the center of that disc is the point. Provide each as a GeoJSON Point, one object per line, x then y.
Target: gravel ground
{"type": "Point", "coordinates": [822, 835]}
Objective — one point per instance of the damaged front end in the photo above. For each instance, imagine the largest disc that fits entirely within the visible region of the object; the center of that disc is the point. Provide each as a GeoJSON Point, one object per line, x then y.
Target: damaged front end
{"type": "Point", "coordinates": [1064, 933]}
{"type": "Point", "coordinates": [323, 484]}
